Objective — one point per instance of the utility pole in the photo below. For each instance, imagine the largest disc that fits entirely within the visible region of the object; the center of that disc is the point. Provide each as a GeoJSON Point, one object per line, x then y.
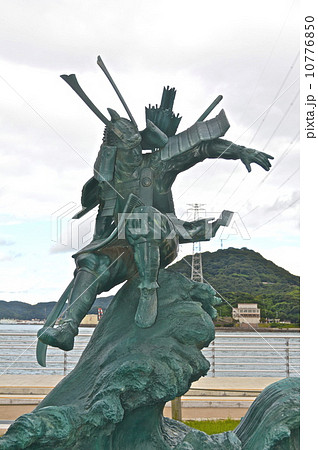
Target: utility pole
{"type": "Point", "coordinates": [196, 211]}
{"type": "Point", "coordinates": [196, 275]}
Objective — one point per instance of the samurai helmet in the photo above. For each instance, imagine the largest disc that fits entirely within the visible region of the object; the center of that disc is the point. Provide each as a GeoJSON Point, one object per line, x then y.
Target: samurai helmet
{"type": "Point", "coordinates": [121, 132]}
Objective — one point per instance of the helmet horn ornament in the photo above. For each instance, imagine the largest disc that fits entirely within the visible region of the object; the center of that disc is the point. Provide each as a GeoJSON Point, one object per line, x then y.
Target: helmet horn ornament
{"type": "Point", "coordinates": [71, 80]}
{"type": "Point", "coordinates": [103, 67]}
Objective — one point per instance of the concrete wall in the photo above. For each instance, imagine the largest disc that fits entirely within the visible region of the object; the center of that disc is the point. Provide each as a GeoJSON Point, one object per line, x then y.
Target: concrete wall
{"type": "Point", "coordinates": [90, 319]}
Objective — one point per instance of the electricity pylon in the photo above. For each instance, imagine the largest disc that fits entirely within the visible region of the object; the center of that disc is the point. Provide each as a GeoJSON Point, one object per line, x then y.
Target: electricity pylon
{"type": "Point", "coordinates": [196, 267]}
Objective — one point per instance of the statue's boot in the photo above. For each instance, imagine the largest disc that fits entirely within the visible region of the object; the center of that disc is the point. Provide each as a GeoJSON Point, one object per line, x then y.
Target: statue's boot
{"type": "Point", "coordinates": [147, 308]}
{"type": "Point", "coordinates": [62, 336]}
{"type": "Point", "coordinates": [147, 258]}
{"type": "Point", "coordinates": [81, 300]}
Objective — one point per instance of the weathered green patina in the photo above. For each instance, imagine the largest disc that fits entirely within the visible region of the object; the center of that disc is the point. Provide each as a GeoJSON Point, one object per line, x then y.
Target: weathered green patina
{"type": "Point", "coordinates": [136, 226]}
{"type": "Point", "coordinates": [146, 349]}
{"type": "Point", "coordinates": [114, 398]}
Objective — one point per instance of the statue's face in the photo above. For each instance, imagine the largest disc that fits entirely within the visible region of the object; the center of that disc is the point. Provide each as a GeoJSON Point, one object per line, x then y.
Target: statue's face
{"type": "Point", "coordinates": [126, 134]}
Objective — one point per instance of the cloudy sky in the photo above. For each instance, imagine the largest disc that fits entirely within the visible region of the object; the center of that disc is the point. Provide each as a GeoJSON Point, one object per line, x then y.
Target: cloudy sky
{"type": "Point", "coordinates": [247, 51]}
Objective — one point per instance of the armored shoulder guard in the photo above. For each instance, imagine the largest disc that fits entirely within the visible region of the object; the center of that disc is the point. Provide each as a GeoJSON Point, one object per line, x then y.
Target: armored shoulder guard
{"type": "Point", "coordinates": [89, 197]}
{"type": "Point", "coordinates": [105, 163]}
{"type": "Point", "coordinates": [195, 135]}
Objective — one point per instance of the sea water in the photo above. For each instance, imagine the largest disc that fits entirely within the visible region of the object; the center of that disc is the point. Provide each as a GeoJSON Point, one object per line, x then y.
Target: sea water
{"type": "Point", "coordinates": [233, 353]}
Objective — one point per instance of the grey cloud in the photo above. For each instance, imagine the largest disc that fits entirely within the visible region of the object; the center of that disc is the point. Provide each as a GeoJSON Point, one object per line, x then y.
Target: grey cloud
{"type": "Point", "coordinates": [284, 208]}
{"type": "Point", "coordinates": [59, 248]}
{"type": "Point", "coordinates": [10, 256]}
{"type": "Point", "coordinates": [14, 292]}
{"type": "Point", "coordinates": [283, 203]}
{"type": "Point", "coordinates": [201, 49]}
{"type": "Point", "coordinates": [6, 242]}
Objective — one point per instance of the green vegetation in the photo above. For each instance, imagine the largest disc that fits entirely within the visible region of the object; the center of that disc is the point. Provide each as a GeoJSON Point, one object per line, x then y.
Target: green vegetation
{"type": "Point", "coordinates": [284, 325]}
{"type": "Point", "coordinates": [244, 276]}
{"type": "Point", "coordinates": [240, 275]}
{"type": "Point", "coordinates": [25, 311]}
{"type": "Point", "coordinates": [213, 426]}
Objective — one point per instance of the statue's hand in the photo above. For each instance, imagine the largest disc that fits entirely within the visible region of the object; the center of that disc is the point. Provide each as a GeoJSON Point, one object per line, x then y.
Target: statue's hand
{"type": "Point", "coordinates": [248, 156]}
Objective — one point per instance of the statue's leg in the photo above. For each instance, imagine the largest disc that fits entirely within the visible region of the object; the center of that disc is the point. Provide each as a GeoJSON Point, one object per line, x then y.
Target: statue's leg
{"type": "Point", "coordinates": [146, 232]}
{"type": "Point", "coordinates": [94, 274]}
{"type": "Point", "coordinates": [82, 297]}
{"type": "Point", "coordinates": [147, 257]}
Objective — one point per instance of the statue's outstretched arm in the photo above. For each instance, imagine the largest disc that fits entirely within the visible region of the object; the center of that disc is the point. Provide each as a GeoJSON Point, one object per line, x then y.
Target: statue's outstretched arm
{"type": "Point", "coordinates": [221, 148]}
{"type": "Point", "coordinates": [216, 148]}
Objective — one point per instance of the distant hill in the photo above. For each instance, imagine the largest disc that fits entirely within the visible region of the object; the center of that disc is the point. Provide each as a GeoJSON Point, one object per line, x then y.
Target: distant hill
{"type": "Point", "coordinates": [25, 311]}
{"type": "Point", "coordinates": [243, 275]}
{"type": "Point", "coordinates": [239, 275]}
{"type": "Point", "coordinates": [101, 302]}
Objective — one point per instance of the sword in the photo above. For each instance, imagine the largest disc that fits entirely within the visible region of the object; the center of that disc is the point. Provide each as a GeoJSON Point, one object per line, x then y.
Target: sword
{"type": "Point", "coordinates": [41, 348]}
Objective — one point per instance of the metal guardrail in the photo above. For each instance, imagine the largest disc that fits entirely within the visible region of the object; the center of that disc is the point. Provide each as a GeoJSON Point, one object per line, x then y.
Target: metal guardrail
{"type": "Point", "coordinates": [229, 355]}
{"type": "Point", "coordinates": [257, 355]}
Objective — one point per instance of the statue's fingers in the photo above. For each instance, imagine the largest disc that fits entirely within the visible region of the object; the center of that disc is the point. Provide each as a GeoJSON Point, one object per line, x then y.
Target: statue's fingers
{"type": "Point", "coordinates": [247, 165]}
{"type": "Point", "coordinates": [268, 156]}
{"type": "Point", "coordinates": [265, 165]}
{"type": "Point", "coordinates": [262, 161]}
{"type": "Point", "coordinates": [266, 162]}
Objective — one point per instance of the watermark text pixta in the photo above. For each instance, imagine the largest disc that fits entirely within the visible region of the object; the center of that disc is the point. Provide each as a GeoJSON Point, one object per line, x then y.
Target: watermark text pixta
{"type": "Point", "coordinates": [309, 60]}
{"type": "Point", "coordinates": [76, 233]}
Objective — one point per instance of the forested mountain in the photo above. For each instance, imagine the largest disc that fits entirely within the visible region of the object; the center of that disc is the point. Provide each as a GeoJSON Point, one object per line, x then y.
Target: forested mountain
{"type": "Point", "coordinates": [242, 275]}
{"type": "Point", "coordinates": [239, 275]}
{"type": "Point", "coordinates": [25, 311]}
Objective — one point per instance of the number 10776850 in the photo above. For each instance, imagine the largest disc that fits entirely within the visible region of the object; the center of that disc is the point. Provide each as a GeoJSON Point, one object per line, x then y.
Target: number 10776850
{"type": "Point", "coordinates": [309, 47]}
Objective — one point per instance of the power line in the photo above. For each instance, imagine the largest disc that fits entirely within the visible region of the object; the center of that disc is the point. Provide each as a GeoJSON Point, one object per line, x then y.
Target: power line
{"type": "Point", "coordinates": [236, 189]}
{"type": "Point", "coordinates": [275, 98]}
{"type": "Point", "coordinates": [279, 160]}
{"type": "Point", "coordinates": [282, 84]}
{"type": "Point", "coordinates": [277, 215]}
{"type": "Point", "coordinates": [281, 185]}
{"type": "Point", "coordinates": [275, 130]}
{"type": "Point", "coordinates": [227, 180]}
{"type": "Point", "coordinates": [288, 178]}
{"type": "Point", "coordinates": [252, 210]}
{"type": "Point", "coordinates": [282, 119]}
{"type": "Point", "coordinates": [196, 267]}
{"type": "Point", "coordinates": [57, 133]}
{"type": "Point", "coordinates": [216, 159]}
{"type": "Point", "coordinates": [244, 318]}
{"type": "Point", "coordinates": [268, 59]}
{"type": "Point", "coordinates": [272, 135]}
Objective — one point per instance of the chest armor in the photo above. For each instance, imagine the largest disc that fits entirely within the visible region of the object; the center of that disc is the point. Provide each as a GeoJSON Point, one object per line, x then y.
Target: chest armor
{"type": "Point", "coordinates": [114, 195]}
